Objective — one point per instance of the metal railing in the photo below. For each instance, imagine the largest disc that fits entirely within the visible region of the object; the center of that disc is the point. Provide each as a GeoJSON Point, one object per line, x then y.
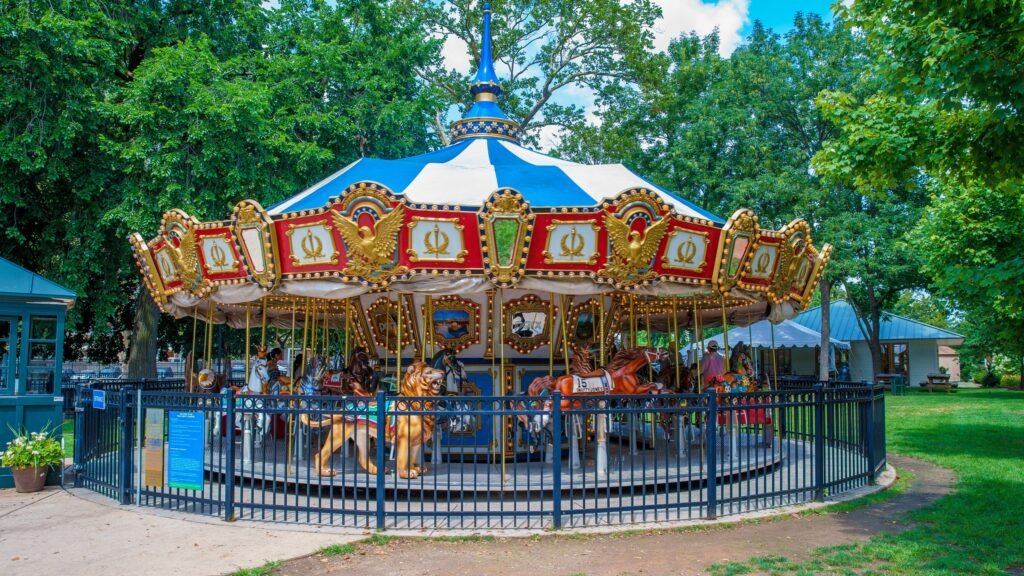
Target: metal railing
{"type": "Point", "coordinates": [553, 462]}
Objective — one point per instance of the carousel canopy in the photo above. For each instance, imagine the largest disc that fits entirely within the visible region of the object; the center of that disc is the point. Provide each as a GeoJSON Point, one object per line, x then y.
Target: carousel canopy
{"type": "Point", "coordinates": [465, 174]}
{"type": "Point", "coordinates": [787, 335]}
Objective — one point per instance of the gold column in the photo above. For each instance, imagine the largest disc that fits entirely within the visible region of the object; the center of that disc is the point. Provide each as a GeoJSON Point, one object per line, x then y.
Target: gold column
{"type": "Point", "coordinates": [698, 344]}
{"type": "Point", "coordinates": [398, 343]}
{"type": "Point", "coordinates": [248, 307]}
{"type": "Point", "coordinates": [725, 336]}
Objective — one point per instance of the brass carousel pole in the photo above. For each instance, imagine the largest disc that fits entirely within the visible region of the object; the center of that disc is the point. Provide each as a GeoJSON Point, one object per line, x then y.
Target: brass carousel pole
{"type": "Point", "coordinates": [632, 322]}
{"type": "Point", "coordinates": [725, 336]}
{"type": "Point", "coordinates": [775, 369]}
{"type": "Point", "coordinates": [698, 336]}
{"type": "Point", "coordinates": [675, 338]}
{"type": "Point", "coordinates": [398, 344]}
{"type": "Point", "coordinates": [501, 381]}
{"type": "Point", "coordinates": [650, 370]}
{"type": "Point", "coordinates": [263, 328]}
{"type": "Point", "coordinates": [564, 322]}
{"type": "Point", "coordinates": [430, 324]}
{"type": "Point", "coordinates": [426, 329]}
{"type": "Point", "coordinates": [348, 329]}
{"type": "Point", "coordinates": [551, 334]}
{"type": "Point", "coordinates": [600, 310]}
{"type": "Point", "coordinates": [208, 363]}
{"type": "Point", "coordinates": [192, 356]}
{"type": "Point", "coordinates": [248, 343]}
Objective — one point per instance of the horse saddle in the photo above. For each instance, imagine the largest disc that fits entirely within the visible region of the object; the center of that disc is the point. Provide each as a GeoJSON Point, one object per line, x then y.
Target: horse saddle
{"type": "Point", "coordinates": [600, 384]}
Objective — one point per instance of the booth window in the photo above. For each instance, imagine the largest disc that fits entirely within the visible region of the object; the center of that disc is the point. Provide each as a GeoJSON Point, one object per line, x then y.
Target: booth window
{"type": "Point", "coordinates": [42, 355]}
{"type": "Point", "coordinates": [895, 357]}
{"type": "Point", "coordinates": [7, 359]}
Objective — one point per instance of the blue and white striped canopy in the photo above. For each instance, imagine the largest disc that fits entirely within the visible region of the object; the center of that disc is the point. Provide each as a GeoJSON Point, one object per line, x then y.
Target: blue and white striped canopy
{"type": "Point", "coordinates": [468, 171]}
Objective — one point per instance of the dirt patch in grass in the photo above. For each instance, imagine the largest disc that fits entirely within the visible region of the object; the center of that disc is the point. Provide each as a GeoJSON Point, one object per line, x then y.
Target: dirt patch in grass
{"type": "Point", "coordinates": [773, 545]}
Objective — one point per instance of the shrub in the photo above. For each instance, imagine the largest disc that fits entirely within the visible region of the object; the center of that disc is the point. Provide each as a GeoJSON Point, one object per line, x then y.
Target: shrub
{"type": "Point", "coordinates": [37, 449]}
{"type": "Point", "coordinates": [990, 380]}
{"type": "Point", "coordinates": [1010, 381]}
{"type": "Point", "coordinates": [978, 376]}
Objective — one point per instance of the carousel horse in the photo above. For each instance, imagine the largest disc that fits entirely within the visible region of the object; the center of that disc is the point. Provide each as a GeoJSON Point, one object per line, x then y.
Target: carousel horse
{"type": "Point", "coordinates": [580, 366]}
{"type": "Point", "coordinates": [621, 376]}
{"type": "Point", "coordinates": [358, 379]}
{"type": "Point", "coordinates": [740, 378]}
{"type": "Point", "coordinates": [454, 384]}
{"type": "Point", "coordinates": [206, 380]}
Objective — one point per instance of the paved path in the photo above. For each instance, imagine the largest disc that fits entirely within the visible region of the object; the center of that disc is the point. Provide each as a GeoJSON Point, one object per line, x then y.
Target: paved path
{"type": "Point", "coordinates": [60, 532]}
{"type": "Point", "coordinates": [654, 553]}
{"type": "Point", "coordinates": [78, 532]}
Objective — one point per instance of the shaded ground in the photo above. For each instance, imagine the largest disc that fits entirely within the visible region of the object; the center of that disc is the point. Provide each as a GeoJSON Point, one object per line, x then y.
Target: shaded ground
{"type": "Point", "coordinates": [650, 553]}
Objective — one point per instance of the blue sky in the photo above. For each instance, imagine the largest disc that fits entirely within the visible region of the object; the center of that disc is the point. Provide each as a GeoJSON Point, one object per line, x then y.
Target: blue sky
{"type": "Point", "coordinates": [778, 14]}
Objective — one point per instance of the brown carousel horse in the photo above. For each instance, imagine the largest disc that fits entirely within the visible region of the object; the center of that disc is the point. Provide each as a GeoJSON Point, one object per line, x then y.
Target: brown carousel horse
{"type": "Point", "coordinates": [621, 376]}
{"type": "Point", "coordinates": [357, 379]}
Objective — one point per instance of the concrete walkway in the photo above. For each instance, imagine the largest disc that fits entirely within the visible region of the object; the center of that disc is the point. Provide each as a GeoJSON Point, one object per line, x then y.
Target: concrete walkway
{"type": "Point", "coordinates": [69, 532]}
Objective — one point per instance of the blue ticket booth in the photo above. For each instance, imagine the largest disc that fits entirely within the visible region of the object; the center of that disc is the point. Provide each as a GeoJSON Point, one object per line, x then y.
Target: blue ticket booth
{"type": "Point", "coordinates": [32, 311]}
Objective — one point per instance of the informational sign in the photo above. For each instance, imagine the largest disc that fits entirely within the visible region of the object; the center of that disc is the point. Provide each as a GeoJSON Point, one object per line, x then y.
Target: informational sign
{"type": "Point", "coordinates": [99, 399]}
{"type": "Point", "coordinates": [185, 448]}
{"type": "Point", "coordinates": [153, 452]}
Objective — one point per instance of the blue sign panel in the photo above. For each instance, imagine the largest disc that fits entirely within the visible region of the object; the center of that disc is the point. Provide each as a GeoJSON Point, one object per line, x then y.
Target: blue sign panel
{"type": "Point", "coordinates": [99, 399]}
{"type": "Point", "coordinates": [185, 448]}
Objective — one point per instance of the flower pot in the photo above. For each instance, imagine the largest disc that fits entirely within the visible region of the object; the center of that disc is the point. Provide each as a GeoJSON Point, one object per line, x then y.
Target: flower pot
{"type": "Point", "coordinates": [29, 479]}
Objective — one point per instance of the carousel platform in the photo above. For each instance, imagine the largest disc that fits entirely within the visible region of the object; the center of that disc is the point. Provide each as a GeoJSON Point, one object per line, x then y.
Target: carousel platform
{"type": "Point", "coordinates": [669, 463]}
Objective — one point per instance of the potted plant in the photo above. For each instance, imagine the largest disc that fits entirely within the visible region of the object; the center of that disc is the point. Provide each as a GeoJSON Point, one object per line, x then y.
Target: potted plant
{"type": "Point", "coordinates": [29, 456]}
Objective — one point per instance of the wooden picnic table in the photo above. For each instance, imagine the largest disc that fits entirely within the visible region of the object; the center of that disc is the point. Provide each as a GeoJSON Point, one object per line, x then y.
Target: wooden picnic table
{"type": "Point", "coordinates": [937, 381]}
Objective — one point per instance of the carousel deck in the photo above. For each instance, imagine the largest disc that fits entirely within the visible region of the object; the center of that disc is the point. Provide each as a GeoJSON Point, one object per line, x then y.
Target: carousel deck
{"type": "Point", "coordinates": [475, 473]}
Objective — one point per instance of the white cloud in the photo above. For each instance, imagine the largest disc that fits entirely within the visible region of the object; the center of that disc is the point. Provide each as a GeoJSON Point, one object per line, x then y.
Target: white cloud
{"type": "Point", "coordinates": [685, 16]}
{"type": "Point", "coordinates": [456, 54]}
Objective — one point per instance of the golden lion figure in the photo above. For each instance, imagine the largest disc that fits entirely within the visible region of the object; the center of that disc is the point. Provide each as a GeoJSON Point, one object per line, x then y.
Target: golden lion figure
{"type": "Point", "coordinates": [409, 432]}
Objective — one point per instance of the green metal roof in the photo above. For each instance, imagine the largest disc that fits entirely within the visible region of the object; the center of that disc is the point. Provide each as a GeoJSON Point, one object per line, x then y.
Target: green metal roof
{"type": "Point", "coordinates": [19, 283]}
{"type": "Point", "coordinates": [843, 325]}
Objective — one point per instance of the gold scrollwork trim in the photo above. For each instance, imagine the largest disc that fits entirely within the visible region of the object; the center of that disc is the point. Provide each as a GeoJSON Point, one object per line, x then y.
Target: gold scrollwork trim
{"type": "Point", "coordinates": [455, 303]}
{"type": "Point", "coordinates": [436, 242]}
{"type": "Point", "coordinates": [570, 247]}
{"type": "Point", "coordinates": [312, 247]}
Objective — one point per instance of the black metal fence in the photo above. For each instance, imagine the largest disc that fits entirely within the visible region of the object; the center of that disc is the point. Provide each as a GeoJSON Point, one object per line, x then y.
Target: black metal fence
{"type": "Point", "coordinates": [555, 461]}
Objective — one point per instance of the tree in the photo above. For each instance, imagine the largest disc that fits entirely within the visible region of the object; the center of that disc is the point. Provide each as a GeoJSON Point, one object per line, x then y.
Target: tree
{"type": "Point", "coordinates": [946, 114]}
{"type": "Point", "coordinates": [113, 115]}
{"type": "Point", "coordinates": [541, 48]}
{"type": "Point", "coordinates": [744, 131]}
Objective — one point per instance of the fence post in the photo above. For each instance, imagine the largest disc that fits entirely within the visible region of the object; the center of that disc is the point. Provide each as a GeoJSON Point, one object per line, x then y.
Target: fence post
{"type": "Point", "coordinates": [229, 429]}
{"type": "Point", "coordinates": [819, 442]}
{"type": "Point", "coordinates": [125, 448]}
{"type": "Point", "coordinates": [712, 434]}
{"type": "Point", "coordinates": [556, 461]}
{"type": "Point", "coordinates": [869, 432]}
{"type": "Point", "coordinates": [79, 432]}
{"type": "Point", "coordinates": [381, 433]}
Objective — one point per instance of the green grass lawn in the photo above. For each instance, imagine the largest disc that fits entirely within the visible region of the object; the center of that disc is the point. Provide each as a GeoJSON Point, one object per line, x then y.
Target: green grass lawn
{"type": "Point", "coordinates": [978, 529]}
{"type": "Point", "coordinates": [69, 438]}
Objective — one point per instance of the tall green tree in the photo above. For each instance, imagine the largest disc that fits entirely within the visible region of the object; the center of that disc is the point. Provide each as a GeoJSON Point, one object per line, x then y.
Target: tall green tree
{"type": "Point", "coordinates": [947, 113]}
{"type": "Point", "coordinates": [114, 114]}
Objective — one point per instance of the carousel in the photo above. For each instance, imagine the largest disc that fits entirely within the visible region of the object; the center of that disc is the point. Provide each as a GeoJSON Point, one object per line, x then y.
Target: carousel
{"type": "Point", "coordinates": [506, 269]}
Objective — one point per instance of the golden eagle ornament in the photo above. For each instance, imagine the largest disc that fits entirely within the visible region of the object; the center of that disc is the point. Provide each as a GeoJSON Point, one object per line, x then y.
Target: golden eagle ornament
{"type": "Point", "coordinates": [632, 250]}
{"type": "Point", "coordinates": [370, 250]}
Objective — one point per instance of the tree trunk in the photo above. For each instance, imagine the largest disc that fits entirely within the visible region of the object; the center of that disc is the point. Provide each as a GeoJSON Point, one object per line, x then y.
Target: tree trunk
{"type": "Point", "coordinates": [826, 348]}
{"type": "Point", "coordinates": [142, 348]}
{"type": "Point", "coordinates": [874, 340]}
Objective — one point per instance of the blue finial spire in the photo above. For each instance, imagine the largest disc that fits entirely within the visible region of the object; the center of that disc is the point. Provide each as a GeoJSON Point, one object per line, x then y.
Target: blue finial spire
{"type": "Point", "coordinates": [485, 119]}
{"type": "Point", "coordinates": [486, 80]}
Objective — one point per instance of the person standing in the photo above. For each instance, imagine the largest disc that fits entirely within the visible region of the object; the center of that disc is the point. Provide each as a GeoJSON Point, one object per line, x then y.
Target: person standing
{"type": "Point", "coordinates": [713, 364]}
